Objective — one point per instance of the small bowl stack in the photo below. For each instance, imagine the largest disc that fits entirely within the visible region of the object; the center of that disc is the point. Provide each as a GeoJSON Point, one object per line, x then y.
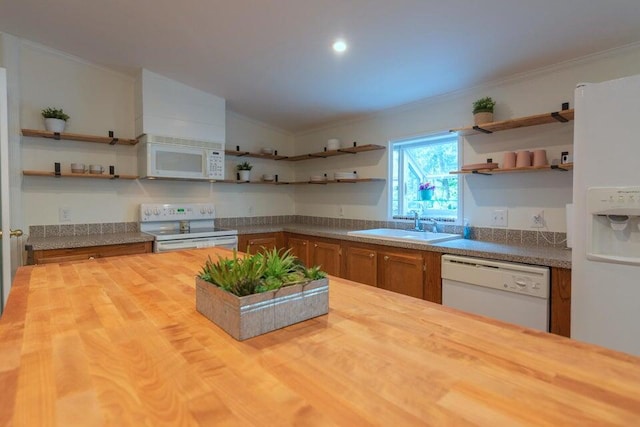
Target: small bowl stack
{"type": "Point", "coordinates": [317, 178]}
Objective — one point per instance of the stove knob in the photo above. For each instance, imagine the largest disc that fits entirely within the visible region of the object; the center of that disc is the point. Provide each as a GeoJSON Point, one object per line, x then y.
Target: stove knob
{"type": "Point", "coordinates": [147, 212]}
{"type": "Point", "coordinates": [203, 210]}
{"type": "Point", "coordinates": [156, 212]}
{"type": "Point", "coordinates": [209, 211]}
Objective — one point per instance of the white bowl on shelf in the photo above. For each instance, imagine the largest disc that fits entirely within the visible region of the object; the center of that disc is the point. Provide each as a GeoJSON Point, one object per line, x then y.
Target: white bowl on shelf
{"type": "Point", "coordinates": [333, 144]}
{"type": "Point", "coordinates": [317, 178]}
{"type": "Point", "coordinates": [268, 177]}
{"type": "Point", "coordinates": [266, 150]}
{"type": "Point", "coordinates": [345, 175]}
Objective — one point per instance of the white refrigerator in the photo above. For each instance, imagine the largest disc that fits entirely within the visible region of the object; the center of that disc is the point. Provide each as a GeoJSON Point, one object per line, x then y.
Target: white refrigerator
{"type": "Point", "coordinates": [605, 304]}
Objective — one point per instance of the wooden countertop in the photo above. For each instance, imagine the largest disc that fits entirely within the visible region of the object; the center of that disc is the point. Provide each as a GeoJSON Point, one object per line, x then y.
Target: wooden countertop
{"type": "Point", "coordinates": [117, 341]}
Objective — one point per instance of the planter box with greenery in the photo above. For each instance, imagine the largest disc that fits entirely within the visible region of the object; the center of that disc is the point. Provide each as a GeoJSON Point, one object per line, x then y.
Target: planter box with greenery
{"type": "Point", "coordinates": [260, 293]}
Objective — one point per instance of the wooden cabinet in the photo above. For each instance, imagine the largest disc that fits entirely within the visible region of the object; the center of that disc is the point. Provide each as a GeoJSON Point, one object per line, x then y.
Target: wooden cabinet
{"type": "Point", "coordinates": [401, 272]}
{"type": "Point", "coordinates": [560, 297]}
{"type": "Point", "coordinates": [328, 255]}
{"type": "Point", "coordinates": [300, 249]}
{"type": "Point", "coordinates": [79, 254]}
{"type": "Point", "coordinates": [254, 243]}
{"type": "Point", "coordinates": [433, 277]}
{"type": "Point", "coordinates": [361, 265]}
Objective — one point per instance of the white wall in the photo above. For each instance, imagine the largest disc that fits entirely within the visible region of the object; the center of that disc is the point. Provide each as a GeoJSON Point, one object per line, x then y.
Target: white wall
{"type": "Point", "coordinates": [522, 194]}
{"type": "Point", "coordinates": [99, 100]}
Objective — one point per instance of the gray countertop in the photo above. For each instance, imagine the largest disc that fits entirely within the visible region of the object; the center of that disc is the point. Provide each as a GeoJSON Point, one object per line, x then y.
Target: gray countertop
{"type": "Point", "coordinates": [69, 242]}
{"type": "Point", "coordinates": [536, 255]}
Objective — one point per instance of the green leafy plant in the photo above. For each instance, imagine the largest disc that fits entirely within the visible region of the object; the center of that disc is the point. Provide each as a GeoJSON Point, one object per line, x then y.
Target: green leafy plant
{"type": "Point", "coordinates": [257, 273]}
{"type": "Point", "coordinates": [245, 166]}
{"type": "Point", "coordinates": [484, 105]}
{"type": "Point", "coordinates": [55, 113]}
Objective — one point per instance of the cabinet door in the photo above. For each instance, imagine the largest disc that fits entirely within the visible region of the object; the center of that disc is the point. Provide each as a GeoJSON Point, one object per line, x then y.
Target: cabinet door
{"type": "Point", "coordinates": [561, 301]}
{"type": "Point", "coordinates": [299, 248]}
{"type": "Point", "coordinates": [361, 265]}
{"type": "Point", "coordinates": [327, 256]}
{"type": "Point", "coordinates": [260, 244]}
{"type": "Point", "coordinates": [402, 273]}
{"type": "Point", "coordinates": [433, 277]}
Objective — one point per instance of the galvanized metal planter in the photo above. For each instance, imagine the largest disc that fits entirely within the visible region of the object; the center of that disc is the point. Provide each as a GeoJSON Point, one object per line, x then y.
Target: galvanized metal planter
{"type": "Point", "coordinates": [257, 314]}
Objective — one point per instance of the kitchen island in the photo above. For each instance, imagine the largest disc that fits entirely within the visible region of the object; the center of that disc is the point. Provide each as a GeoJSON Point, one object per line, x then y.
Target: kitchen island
{"type": "Point", "coordinates": [117, 341]}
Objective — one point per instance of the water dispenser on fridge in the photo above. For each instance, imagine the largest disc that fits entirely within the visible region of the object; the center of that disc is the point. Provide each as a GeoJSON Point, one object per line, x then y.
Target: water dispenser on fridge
{"type": "Point", "coordinates": [613, 224]}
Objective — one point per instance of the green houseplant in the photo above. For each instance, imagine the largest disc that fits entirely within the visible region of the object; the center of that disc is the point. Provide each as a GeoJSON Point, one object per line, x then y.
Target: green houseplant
{"type": "Point", "coordinates": [483, 110]}
{"type": "Point", "coordinates": [254, 294]}
{"type": "Point", "coordinates": [54, 119]}
{"type": "Point", "coordinates": [244, 171]}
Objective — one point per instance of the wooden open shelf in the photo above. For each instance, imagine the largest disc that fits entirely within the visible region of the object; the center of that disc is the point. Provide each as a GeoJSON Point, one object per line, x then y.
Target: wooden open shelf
{"type": "Point", "coordinates": [318, 155]}
{"type": "Point", "coordinates": [238, 153]}
{"type": "Point", "coordinates": [333, 181]}
{"type": "Point", "coordinates": [338, 152]}
{"type": "Point", "coordinates": [77, 175]}
{"type": "Point", "coordinates": [78, 137]}
{"type": "Point", "coordinates": [563, 168]}
{"type": "Point", "coordinates": [540, 119]}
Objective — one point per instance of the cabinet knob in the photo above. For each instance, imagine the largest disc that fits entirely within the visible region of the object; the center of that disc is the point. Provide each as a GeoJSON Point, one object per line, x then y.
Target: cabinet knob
{"type": "Point", "coordinates": [304, 243]}
{"type": "Point", "coordinates": [386, 258]}
{"type": "Point", "coordinates": [371, 255]}
{"type": "Point", "coordinates": [315, 245]}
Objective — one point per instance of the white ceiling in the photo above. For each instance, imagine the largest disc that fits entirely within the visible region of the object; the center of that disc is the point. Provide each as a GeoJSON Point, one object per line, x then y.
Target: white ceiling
{"type": "Point", "coordinates": [271, 59]}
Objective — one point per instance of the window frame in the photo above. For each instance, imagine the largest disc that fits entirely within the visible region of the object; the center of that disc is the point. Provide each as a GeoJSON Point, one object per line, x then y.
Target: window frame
{"type": "Point", "coordinates": [417, 140]}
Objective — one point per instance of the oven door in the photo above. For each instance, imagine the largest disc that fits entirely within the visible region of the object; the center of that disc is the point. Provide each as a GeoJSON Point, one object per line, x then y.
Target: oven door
{"type": "Point", "coordinates": [229, 242]}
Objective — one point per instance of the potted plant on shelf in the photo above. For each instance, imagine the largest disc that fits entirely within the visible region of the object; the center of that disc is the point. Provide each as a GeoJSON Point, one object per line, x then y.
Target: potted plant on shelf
{"type": "Point", "coordinates": [54, 119]}
{"type": "Point", "coordinates": [255, 294]}
{"type": "Point", "coordinates": [425, 191]}
{"type": "Point", "coordinates": [244, 171]}
{"type": "Point", "coordinates": [483, 110]}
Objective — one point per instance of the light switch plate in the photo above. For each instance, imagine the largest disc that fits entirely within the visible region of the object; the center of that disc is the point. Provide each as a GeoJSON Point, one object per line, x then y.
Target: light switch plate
{"type": "Point", "coordinates": [64, 214]}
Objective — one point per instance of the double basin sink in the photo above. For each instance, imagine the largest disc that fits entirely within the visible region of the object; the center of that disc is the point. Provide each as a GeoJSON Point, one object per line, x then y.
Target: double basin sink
{"type": "Point", "coordinates": [404, 235]}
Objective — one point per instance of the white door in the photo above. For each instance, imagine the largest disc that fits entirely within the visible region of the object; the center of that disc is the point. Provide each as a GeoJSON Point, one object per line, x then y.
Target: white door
{"type": "Point", "coordinates": [5, 248]}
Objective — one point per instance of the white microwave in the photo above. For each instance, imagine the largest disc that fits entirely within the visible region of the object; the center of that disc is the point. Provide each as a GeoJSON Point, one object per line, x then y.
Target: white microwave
{"type": "Point", "coordinates": [165, 157]}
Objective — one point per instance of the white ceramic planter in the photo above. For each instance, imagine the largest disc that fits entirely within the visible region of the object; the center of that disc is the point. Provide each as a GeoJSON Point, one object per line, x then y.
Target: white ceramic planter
{"type": "Point", "coordinates": [54, 125]}
{"type": "Point", "coordinates": [244, 175]}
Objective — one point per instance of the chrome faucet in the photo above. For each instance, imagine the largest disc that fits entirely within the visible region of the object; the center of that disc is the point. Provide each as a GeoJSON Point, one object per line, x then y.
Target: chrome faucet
{"type": "Point", "coordinates": [416, 222]}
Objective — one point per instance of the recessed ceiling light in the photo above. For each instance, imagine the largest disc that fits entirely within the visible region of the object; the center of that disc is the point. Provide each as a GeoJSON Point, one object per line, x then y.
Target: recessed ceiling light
{"type": "Point", "coordinates": [339, 46]}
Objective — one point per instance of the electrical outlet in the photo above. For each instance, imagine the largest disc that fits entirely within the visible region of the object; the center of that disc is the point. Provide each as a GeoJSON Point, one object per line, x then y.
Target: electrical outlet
{"type": "Point", "coordinates": [537, 219]}
{"type": "Point", "coordinates": [64, 214]}
{"type": "Point", "coordinates": [340, 210]}
{"type": "Point", "coordinates": [250, 210]}
{"type": "Point", "coordinates": [499, 218]}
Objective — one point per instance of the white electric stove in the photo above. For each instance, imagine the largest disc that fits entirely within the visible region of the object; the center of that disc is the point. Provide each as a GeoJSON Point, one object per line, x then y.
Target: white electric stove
{"type": "Point", "coordinates": [178, 226]}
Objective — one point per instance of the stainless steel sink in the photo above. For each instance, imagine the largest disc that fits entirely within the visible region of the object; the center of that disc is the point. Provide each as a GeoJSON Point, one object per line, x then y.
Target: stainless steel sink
{"type": "Point", "coordinates": [404, 235]}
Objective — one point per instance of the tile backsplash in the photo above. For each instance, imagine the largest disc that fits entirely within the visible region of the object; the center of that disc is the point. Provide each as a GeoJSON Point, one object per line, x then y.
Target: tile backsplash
{"type": "Point", "coordinates": [496, 235]}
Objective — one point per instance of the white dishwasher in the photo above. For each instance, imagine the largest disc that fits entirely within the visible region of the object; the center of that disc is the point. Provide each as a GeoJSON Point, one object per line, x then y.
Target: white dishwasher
{"type": "Point", "coordinates": [511, 292]}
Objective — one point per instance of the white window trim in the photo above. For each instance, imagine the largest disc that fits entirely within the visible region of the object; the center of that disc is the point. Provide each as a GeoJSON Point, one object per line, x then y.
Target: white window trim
{"type": "Point", "coordinates": [412, 140]}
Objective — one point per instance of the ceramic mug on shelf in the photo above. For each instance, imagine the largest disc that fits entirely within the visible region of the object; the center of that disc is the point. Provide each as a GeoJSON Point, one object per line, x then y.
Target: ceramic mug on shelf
{"type": "Point", "coordinates": [509, 160]}
{"type": "Point", "coordinates": [96, 169]}
{"type": "Point", "coordinates": [540, 158]}
{"type": "Point", "coordinates": [523, 159]}
{"type": "Point", "coordinates": [77, 167]}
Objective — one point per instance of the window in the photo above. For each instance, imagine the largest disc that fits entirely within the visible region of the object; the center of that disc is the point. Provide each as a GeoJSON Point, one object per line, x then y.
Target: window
{"type": "Point", "coordinates": [426, 159]}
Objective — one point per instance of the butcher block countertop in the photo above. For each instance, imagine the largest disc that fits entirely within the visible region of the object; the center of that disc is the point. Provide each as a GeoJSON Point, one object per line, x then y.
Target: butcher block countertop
{"type": "Point", "coordinates": [117, 341]}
